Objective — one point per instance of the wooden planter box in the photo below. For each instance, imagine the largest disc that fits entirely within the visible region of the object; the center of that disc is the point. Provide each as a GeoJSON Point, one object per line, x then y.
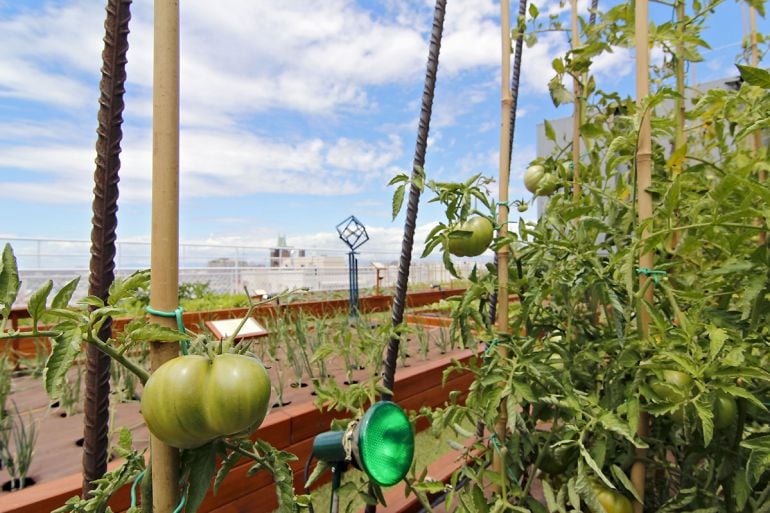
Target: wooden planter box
{"type": "Point", "coordinates": [291, 428]}
{"type": "Point", "coordinates": [27, 348]}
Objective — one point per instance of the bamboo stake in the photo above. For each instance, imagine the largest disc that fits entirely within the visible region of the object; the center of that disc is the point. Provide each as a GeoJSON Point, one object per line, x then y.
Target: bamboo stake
{"type": "Point", "coordinates": [644, 180]}
{"type": "Point", "coordinates": [577, 114]}
{"type": "Point", "coordinates": [165, 225]}
{"type": "Point", "coordinates": [505, 168]}
{"type": "Point", "coordinates": [757, 137]}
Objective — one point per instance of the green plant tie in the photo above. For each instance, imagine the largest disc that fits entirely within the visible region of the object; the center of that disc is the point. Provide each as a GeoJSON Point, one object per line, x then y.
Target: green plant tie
{"type": "Point", "coordinates": [139, 477]}
{"type": "Point", "coordinates": [495, 442]}
{"type": "Point", "coordinates": [655, 274]}
{"type": "Point", "coordinates": [179, 322]}
{"type": "Point", "coordinates": [180, 507]}
{"type": "Point", "coordinates": [490, 347]}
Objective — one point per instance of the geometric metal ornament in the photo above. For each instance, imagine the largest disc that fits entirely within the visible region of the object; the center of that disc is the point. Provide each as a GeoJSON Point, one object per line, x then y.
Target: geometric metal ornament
{"type": "Point", "coordinates": [352, 233]}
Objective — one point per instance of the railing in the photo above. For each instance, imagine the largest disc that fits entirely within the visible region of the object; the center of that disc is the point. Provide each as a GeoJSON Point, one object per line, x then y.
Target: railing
{"type": "Point", "coordinates": [226, 268]}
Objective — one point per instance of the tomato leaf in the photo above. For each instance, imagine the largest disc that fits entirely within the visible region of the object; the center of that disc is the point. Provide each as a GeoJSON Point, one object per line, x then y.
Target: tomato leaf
{"type": "Point", "coordinates": [318, 471]}
{"type": "Point", "coordinates": [198, 466]}
{"type": "Point", "coordinates": [703, 408]}
{"type": "Point", "coordinates": [148, 332]}
{"type": "Point", "coordinates": [227, 465]}
{"type": "Point", "coordinates": [550, 133]}
{"type": "Point", "coordinates": [9, 279]}
{"type": "Point", "coordinates": [618, 473]}
{"type": "Point", "coordinates": [63, 297]}
{"type": "Point", "coordinates": [717, 339]}
{"type": "Point", "coordinates": [65, 347]}
{"type": "Point", "coordinates": [592, 463]}
{"type": "Point", "coordinates": [123, 288]}
{"type": "Point", "coordinates": [91, 301]}
{"type": "Point", "coordinates": [398, 199]}
{"type": "Point", "coordinates": [755, 76]}
{"type": "Point", "coordinates": [37, 301]}
{"type": "Point", "coordinates": [613, 423]}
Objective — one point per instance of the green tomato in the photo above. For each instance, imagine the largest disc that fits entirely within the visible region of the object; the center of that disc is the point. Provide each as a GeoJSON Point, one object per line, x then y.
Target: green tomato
{"type": "Point", "coordinates": [482, 232]}
{"type": "Point", "coordinates": [725, 410]}
{"type": "Point", "coordinates": [191, 400]}
{"type": "Point", "coordinates": [672, 386]}
{"type": "Point", "coordinates": [533, 176]}
{"type": "Point", "coordinates": [547, 185]}
{"type": "Point", "coordinates": [611, 500]}
{"type": "Point", "coordinates": [556, 460]}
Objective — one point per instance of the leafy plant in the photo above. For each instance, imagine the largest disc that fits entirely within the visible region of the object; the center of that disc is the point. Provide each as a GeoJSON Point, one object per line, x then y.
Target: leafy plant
{"type": "Point", "coordinates": [69, 398]}
{"type": "Point", "coordinates": [423, 341]}
{"type": "Point", "coordinates": [132, 468]}
{"type": "Point", "coordinates": [17, 446]}
{"type": "Point", "coordinates": [5, 383]}
{"type": "Point", "coordinates": [575, 357]}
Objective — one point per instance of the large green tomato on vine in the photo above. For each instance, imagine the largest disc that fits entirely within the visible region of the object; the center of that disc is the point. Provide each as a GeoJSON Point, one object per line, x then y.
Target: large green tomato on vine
{"type": "Point", "coordinates": [540, 182]}
{"type": "Point", "coordinates": [482, 232]}
{"type": "Point", "coordinates": [532, 177]}
{"type": "Point", "coordinates": [611, 500]}
{"type": "Point", "coordinates": [191, 400]}
{"type": "Point", "coordinates": [725, 410]}
{"type": "Point", "coordinates": [672, 385]}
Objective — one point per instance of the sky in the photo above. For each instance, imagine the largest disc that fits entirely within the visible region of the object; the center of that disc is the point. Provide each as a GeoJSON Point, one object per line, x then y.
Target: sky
{"type": "Point", "coordinates": [294, 114]}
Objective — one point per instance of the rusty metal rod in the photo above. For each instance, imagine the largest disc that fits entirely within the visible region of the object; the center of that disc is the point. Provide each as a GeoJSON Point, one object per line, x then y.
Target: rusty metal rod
{"type": "Point", "coordinates": [104, 224]}
{"type": "Point", "coordinates": [399, 298]}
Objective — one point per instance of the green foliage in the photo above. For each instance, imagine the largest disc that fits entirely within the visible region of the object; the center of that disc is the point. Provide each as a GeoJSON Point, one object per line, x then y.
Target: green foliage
{"type": "Point", "coordinates": [574, 371]}
{"type": "Point", "coordinates": [111, 482]}
{"type": "Point", "coordinates": [17, 445]}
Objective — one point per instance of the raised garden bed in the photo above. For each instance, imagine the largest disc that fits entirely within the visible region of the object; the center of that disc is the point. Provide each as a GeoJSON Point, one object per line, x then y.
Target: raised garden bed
{"type": "Point", "coordinates": [290, 428]}
{"type": "Point", "coordinates": [56, 465]}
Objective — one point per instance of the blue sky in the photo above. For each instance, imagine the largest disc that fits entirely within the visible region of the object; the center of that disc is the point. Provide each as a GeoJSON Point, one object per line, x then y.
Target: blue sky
{"type": "Point", "coordinates": [295, 114]}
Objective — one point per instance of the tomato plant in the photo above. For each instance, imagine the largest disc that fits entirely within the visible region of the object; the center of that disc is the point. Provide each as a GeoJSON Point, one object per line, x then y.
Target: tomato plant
{"type": "Point", "coordinates": [192, 399]}
{"type": "Point", "coordinates": [575, 358]}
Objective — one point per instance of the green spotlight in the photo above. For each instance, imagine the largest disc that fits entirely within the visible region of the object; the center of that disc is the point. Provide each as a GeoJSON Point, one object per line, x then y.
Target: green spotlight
{"type": "Point", "coordinates": [381, 444]}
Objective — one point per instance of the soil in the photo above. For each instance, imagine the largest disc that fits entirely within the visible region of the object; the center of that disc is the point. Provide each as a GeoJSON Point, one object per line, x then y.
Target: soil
{"type": "Point", "coordinates": [58, 451]}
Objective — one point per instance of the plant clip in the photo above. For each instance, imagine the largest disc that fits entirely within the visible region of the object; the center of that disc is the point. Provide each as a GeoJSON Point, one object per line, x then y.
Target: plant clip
{"type": "Point", "coordinates": [490, 346]}
{"type": "Point", "coordinates": [504, 204]}
{"type": "Point", "coordinates": [495, 442]}
{"type": "Point", "coordinates": [179, 322]}
{"type": "Point", "coordinates": [139, 477]}
{"type": "Point", "coordinates": [655, 274]}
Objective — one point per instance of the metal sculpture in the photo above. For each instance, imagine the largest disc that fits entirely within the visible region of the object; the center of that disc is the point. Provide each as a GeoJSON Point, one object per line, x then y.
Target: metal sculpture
{"type": "Point", "coordinates": [353, 233]}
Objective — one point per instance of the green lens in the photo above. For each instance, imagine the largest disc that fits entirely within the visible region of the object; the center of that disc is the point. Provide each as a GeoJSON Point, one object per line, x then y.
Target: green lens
{"type": "Point", "coordinates": [386, 443]}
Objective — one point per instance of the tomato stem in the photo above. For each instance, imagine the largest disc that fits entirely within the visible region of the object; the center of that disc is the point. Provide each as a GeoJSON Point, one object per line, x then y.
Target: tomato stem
{"type": "Point", "coordinates": [110, 351]}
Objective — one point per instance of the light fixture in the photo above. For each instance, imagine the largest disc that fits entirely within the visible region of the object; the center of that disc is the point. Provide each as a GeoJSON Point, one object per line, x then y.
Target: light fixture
{"type": "Point", "coordinates": [381, 444]}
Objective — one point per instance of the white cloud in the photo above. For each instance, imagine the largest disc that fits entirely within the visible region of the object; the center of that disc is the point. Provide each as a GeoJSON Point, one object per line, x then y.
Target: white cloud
{"type": "Point", "coordinates": [536, 61]}
{"type": "Point", "coordinates": [615, 65]}
{"type": "Point", "coordinates": [213, 163]}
